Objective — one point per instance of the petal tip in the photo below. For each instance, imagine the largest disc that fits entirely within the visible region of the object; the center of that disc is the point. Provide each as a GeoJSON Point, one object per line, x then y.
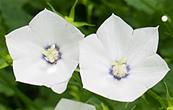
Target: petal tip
{"type": "Point", "coordinates": [46, 10]}
{"type": "Point", "coordinates": [59, 88]}
{"type": "Point", "coordinates": [58, 91]}
{"type": "Point", "coordinates": [168, 69]}
{"type": "Point", "coordinates": [114, 16]}
{"type": "Point", "coordinates": [6, 37]}
{"type": "Point", "coordinates": [157, 27]}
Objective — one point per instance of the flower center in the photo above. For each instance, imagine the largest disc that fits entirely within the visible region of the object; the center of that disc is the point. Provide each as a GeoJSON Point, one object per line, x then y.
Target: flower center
{"type": "Point", "coordinates": [51, 54]}
{"type": "Point", "coordinates": [119, 69]}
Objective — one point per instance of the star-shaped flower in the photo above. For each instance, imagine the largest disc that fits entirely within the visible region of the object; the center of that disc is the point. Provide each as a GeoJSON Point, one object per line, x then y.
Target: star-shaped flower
{"type": "Point", "coordinates": [45, 52]}
{"type": "Point", "coordinates": [66, 104]}
{"type": "Point", "coordinates": [120, 63]}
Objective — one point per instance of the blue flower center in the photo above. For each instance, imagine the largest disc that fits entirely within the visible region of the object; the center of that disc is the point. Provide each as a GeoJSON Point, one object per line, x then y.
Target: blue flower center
{"type": "Point", "coordinates": [51, 54]}
{"type": "Point", "coordinates": [120, 69]}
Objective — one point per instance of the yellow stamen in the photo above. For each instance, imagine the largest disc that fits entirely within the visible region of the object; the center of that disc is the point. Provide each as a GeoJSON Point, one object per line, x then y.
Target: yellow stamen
{"type": "Point", "coordinates": [119, 67]}
{"type": "Point", "coordinates": [51, 54]}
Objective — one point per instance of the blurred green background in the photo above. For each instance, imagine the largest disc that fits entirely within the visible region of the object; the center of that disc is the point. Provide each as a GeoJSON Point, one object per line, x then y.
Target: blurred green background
{"type": "Point", "coordinates": [137, 13]}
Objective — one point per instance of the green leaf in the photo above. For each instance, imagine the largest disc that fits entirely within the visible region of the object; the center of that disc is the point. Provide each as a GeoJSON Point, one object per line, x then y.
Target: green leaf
{"type": "Point", "coordinates": [2, 107]}
{"type": "Point", "coordinates": [6, 90]}
{"type": "Point", "coordinates": [71, 16]}
{"type": "Point", "coordinates": [157, 97]}
{"type": "Point", "coordinates": [72, 11]}
{"type": "Point", "coordinates": [148, 6]}
{"type": "Point", "coordinates": [170, 108]}
{"type": "Point", "coordinates": [53, 9]}
{"type": "Point", "coordinates": [3, 64]}
{"type": "Point", "coordinates": [104, 107]}
{"type": "Point", "coordinates": [80, 24]}
{"type": "Point", "coordinates": [133, 108]}
{"type": "Point", "coordinates": [13, 13]}
{"type": "Point", "coordinates": [5, 78]}
{"type": "Point", "coordinates": [169, 98]}
{"type": "Point", "coordinates": [5, 60]}
{"type": "Point", "coordinates": [76, 23]}
{"type": "Point", "coordinates": [70, 20]}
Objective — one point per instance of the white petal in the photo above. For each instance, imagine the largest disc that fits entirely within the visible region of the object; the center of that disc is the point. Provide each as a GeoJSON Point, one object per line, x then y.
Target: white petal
{"type": "Point", "coordinates": [38, 72]}
{"type": "Point", "coordinates": [66, 104]}
{"type": "Point", "coordinates": [52, 28]}
{"type": "Point", "coordinates": [29, 70]}
{"type": "Point", "coordinates": [94, 60]}
{"type": "Point", "coordinates": [70, 57]}
{"type": "Point", "coordinates": [70, 51]}
{"type": "Point", "coordinates": [149, 71]}
{"type": "Point", "coordinates": [115, 34]}
{"type": "Point", "coordinates": [144, 43]}
{"type": "Point", "coordinates": [60, 87]}
{"type": "Point", "coordinates": [23, 43]}
{"type": "Point", "coordinates": [124, 90]}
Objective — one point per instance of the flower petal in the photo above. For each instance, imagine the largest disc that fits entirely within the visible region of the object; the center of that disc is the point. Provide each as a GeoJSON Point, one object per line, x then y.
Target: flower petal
{"type": "Point", "coordinates": [143, 43]}
{"type": "Point", "coordinates": [114, 33]}
{"type": "Point", "coordinates": [60, 87]}
{"type": "Point", "coordinates": [66, 104]}
{"type": "Point", "coordinates": [70, 54]}
{"type": "Point", "coordinates": [38, 72]}
{"type": "Point", "coordinates": [52, 28]}
{"type": "Point", "coordinates": [149, 71]}
{"type": "Point", "coordinates": [23, 43]}
{"type": "Point", "coordinates": [94, 60]}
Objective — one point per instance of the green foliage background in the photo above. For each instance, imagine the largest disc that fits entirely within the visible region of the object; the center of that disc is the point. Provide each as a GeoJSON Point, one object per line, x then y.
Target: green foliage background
{"type": "Point", "coordinates": [138, 13]}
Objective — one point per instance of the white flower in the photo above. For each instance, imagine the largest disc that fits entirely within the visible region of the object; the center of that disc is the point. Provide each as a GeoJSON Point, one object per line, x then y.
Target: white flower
{"type": "Point", "coordinates": [45, 52]}
{"type": "Point", "coordinates": [120, 63]}
{"type": "Point", "coordinates": [66, 104]}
